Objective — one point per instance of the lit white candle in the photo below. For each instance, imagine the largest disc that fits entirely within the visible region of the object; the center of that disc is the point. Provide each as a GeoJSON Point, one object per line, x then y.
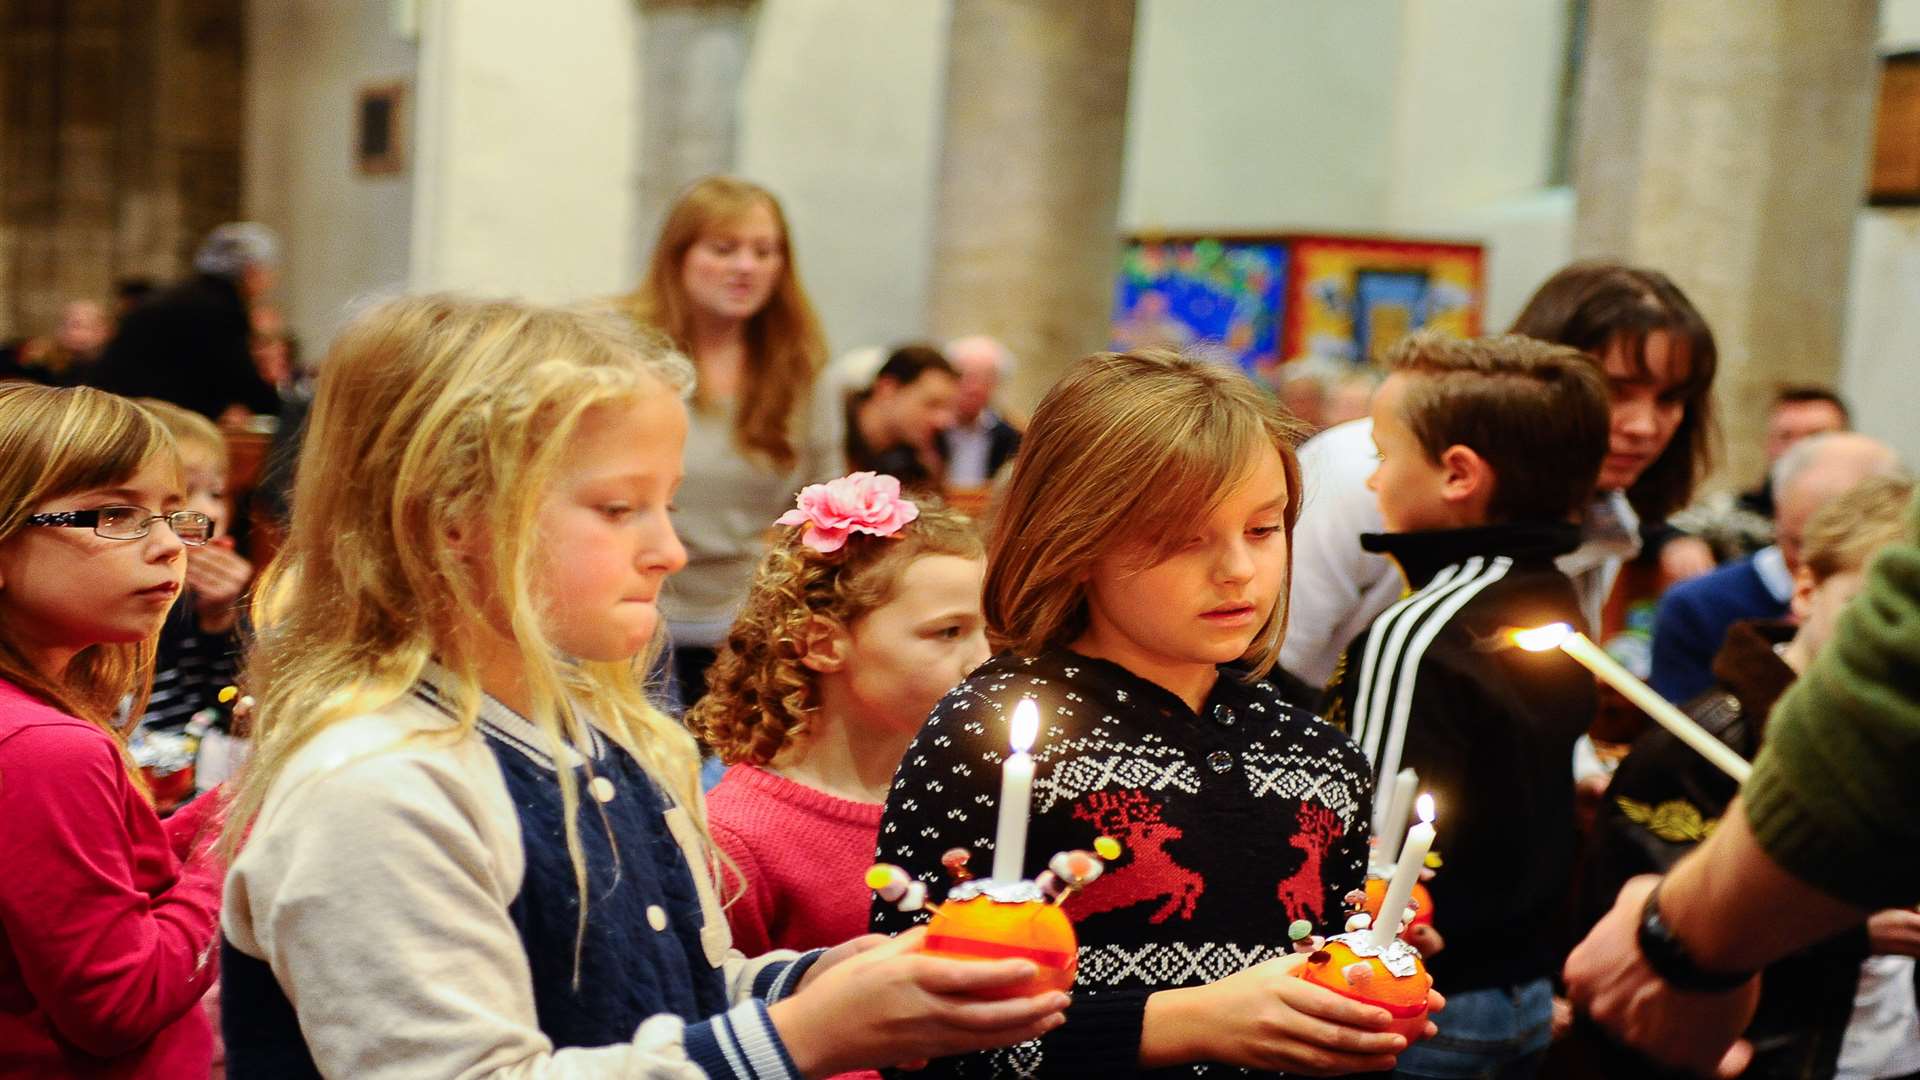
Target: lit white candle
{"type": "Point", "coordinates": [1413, 856]}
{"type": "Point", "coordinates": [1016, 794]}
{"type": "Point", "coordinates": [1608, 670]}
{"type": "Point", "coordinates": [1390, 829]}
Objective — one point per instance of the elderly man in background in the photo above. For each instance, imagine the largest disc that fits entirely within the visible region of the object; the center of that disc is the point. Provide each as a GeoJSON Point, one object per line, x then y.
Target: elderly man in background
{"type": "Point", "coordinates": [980, 440]}
{"type": "Point", "coordinates": [191, 344]}
{"type": "Point", "coordinates": [1695, 615]}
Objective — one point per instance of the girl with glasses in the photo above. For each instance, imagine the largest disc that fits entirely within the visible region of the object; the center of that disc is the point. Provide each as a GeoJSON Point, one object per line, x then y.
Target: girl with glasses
{"type": "Point", "coordinates": [107, 915]}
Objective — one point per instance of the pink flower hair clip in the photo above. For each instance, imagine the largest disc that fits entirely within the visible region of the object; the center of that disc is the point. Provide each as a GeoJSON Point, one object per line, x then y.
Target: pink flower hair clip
{"type": "Point", "coordinates": [863, 502]}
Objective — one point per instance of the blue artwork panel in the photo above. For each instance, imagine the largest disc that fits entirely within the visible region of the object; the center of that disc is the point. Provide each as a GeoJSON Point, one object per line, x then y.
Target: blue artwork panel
{"type": "Point", "coordinates": [1221, 296]}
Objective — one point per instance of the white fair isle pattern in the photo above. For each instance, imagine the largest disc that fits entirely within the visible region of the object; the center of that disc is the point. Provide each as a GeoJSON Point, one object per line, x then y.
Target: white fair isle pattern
{"type": "Point", "coordinates": [1121, 967]}
{"type": "Point", "coordinates": [1144, 768]}
{"type": "Point", "coordinates": [1297, 774]}
{"type": "Point", "coordinates": [1181, 906]}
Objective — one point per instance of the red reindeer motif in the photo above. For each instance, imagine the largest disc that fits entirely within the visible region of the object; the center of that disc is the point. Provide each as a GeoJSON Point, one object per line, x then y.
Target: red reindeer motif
{"type": "Point", "coordinates": [1305, 892]}
{"type": "Point", "coordinates": [1150, 873]}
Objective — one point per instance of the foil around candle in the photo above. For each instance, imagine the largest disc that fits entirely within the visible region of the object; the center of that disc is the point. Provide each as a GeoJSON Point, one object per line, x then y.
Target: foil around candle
{"type": "Point", "coordinates": [1000, 892]}
{"type": "Point", "coordinates": [1399, 957]}
{"type": "Point", "coordinates": [164, 753]}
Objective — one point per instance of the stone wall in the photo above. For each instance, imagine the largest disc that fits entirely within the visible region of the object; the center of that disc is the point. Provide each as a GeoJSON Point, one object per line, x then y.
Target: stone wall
{"type": "Point", "coordinates": [120, 133]}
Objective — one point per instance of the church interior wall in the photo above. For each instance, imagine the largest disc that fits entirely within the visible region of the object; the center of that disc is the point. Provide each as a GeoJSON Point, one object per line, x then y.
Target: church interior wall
{"type": "Point", "coordinates": [1882, 350]}
{"type": "Point", "coordinates": [1373, 116]}
{"type": "Point", "coordinates": [344, 233]}
{"type": "Point", "coordinates": [840, 117]}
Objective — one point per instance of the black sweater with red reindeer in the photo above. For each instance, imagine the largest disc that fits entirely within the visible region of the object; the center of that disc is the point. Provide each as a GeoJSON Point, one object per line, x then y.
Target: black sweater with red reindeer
{"type": "Point", "coordinates": [1234, 822]}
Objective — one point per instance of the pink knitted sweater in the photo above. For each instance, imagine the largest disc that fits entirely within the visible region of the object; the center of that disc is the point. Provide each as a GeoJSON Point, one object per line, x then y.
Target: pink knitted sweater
{"type": "Point", "coordinates": [805, 854]}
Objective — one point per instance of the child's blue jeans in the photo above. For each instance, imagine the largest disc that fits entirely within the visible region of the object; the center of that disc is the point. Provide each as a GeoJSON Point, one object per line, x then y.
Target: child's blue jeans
{"type": "Point", "coordinates": [1494, 1034]}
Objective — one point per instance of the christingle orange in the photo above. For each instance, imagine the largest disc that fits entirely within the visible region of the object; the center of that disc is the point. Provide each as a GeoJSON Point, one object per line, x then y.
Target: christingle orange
{"type": "Point", "coordinates": [997, 920]}
{"type": "Point", "coordinates": [1392, 978]}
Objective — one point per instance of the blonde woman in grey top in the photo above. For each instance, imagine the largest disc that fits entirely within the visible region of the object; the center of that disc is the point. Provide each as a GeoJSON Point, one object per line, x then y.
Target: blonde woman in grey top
{"type": "Point", "coordinates": [722, 285]}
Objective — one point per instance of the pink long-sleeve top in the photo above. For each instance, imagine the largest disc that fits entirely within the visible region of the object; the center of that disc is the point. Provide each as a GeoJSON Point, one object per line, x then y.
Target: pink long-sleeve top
{"type": "Point", "coordinates": [108, 916]}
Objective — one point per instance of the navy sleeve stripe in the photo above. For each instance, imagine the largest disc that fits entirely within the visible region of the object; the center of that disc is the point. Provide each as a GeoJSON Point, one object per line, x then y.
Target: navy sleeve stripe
{"type": "Point", "coordinates": [781, 979]}
{"type": "Point", "coordinates": [740, 1043]}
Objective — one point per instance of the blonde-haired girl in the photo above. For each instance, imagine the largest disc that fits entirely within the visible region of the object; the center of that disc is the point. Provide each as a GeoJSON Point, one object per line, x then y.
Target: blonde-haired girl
{"type": "Point", "coordinates": [200, 645]}
{"type": "Point", "coordinates": [1137, 583]}
{"type": "Point", "coordinates": [107, 916]}
{"type": "Point", "coordinates": [468, 845]}
{"type": "Point", "coordinates": [723, 286]}
{"type": "Point", "coordinates": [863, 614]}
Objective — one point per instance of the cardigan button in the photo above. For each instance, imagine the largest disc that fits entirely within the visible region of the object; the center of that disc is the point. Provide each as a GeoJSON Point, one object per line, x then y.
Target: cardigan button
{"type": "Point", "coordinates": [602, 789]}
{"type": "Point", "coordinates": [1223, 715]}
{"type": "Point", "coordinates": [657, 917]}
{"type": "Point", "coordinates": [1220, 761]}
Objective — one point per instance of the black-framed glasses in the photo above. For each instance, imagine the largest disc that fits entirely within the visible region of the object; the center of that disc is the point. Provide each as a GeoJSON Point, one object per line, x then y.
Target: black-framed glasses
{"type": "Point", "coordinates": [131, 523]}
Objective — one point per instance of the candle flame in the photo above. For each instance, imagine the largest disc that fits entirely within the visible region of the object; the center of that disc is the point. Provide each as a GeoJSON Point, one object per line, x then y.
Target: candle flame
{"type": "Point", "coordinates": [1425, 805]}
{"type": "Point", "coordinates": [1541, 638]}
{"type": "Point", "coordinates": [1026, 725]}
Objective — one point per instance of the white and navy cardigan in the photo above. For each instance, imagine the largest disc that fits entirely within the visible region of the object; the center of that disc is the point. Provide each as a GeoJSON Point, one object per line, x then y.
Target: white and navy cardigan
{"type": "Point", "coordinates": [405, 906]}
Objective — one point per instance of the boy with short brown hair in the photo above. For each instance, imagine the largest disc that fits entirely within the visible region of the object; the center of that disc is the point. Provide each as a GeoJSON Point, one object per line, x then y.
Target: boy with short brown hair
{"type": "Point", "coordinates": [1488, 450]}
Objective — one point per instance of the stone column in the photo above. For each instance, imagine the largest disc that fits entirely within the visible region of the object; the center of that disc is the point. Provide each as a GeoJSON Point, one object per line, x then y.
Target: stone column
{"type": "Point", "coordinates": [1725, 143]}
{"type": "Point", "coordinates": [692, 56]}
{"type": "Point", "coordinates": [1025, 235]}
{"type": "Point", "coordinates": [122, 146]}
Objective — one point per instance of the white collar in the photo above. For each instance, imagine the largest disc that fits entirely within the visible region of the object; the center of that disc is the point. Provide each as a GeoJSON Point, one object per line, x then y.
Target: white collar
{"type": "Point", "coordinates": [982, 423]}
{"type": "Point", "coordinates": [440, 687]}
{"type": "Point", "coordinates": [1770, 566]}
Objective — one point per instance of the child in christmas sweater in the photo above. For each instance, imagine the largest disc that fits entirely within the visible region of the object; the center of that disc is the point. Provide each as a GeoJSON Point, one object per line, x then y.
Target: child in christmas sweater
{"type": "Point", "coordinates": [1136, 587]}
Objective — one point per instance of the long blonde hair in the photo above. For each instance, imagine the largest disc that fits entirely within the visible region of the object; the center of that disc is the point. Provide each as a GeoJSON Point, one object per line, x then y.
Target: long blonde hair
{"type": "Point", "coordinates": [438, 416]}
{"type": "Point", "coordinates": [1124, 454]}
{"type": "Point", "coordinates": [785, 345]}
{"type": "Point", "coordinates": [56, 442]}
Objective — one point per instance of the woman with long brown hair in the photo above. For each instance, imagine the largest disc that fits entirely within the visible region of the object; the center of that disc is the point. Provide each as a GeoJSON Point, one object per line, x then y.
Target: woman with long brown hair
{"type": "Point", "coordinates": [722, 285]}
{"type": "Point", "coordinates": [1659, 359]}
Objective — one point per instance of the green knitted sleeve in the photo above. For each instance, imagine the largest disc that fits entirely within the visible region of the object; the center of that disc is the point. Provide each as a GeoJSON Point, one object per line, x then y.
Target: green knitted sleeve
{"type": "Point", "coordinates": [1835, 795]}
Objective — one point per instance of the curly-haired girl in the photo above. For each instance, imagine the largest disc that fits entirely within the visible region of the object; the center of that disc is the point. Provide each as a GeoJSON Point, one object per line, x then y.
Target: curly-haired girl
{"type": "Point", "coordinates": [860, 618]}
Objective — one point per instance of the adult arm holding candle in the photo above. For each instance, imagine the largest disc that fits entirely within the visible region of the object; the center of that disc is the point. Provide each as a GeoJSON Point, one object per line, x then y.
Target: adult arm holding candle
{"type": "Point", "coordinates": [1806, 853]}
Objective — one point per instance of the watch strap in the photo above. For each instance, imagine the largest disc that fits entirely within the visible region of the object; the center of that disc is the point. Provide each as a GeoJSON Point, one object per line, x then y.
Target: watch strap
{"type": "Point", "coordinates": [1667, 956]}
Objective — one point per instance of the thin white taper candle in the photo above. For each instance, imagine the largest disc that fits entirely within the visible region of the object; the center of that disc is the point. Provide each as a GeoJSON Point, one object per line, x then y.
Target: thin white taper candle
{"type": "Point", "coordinates": [1413, 856]}
{"type": "Point", "coordinates": [1391, 829]}
{"type": "Point", "coordinates": [1608, 670]}
{"type": "Point", "coordinates": [1016, 794]}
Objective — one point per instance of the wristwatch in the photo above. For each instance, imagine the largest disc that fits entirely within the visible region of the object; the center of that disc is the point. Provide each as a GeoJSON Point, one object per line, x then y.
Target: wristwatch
{"type": "Point", "coordinates": [1668, 957]}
